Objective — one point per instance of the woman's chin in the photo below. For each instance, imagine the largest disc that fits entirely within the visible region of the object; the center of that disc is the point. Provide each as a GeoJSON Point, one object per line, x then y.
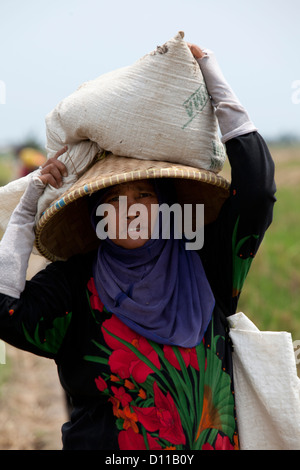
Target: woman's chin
{"type": "Point", "coordinates": [130, 243]}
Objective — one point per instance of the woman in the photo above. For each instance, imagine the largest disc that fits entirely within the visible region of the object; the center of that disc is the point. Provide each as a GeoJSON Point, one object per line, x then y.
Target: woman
{"type": "Point", "coordinates": [138, 327]}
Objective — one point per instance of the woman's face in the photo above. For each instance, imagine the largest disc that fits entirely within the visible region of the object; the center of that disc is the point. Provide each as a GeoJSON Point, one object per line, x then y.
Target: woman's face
{"type": "Point", "coordinates": [130, 225]}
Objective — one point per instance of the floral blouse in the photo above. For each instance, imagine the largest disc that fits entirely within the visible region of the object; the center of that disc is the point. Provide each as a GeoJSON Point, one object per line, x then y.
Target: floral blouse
{"type": "Point", "coordinates": [130, 393]}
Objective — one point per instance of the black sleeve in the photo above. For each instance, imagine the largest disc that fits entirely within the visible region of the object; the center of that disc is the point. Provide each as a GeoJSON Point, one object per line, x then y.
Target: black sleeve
{"type": "Point", "coordinates": [39, 320]}
{"type": "Point", "coordinates": [232, 241]}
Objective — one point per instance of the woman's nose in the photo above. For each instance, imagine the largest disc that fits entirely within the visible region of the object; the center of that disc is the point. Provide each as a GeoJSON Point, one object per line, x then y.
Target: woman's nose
{"type": "Point", "coordinates": [131, 200]}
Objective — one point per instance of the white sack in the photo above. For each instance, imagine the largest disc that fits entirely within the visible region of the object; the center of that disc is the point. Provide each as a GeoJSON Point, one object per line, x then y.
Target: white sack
{"type": "Point", "coordinates": [2, 352]}
{"type": "Point", "coordinates": [157, 108]}
{"type": "Point", "coordinates": [267, 388]}
{"type": "Point", "coordinates": [76, 159]}
{"type": "Point", "coordinates": [10, 195]}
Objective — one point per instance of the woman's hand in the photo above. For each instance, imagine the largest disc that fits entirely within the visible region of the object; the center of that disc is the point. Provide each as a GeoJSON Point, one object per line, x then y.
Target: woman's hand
{"type": "Point", "coordinates": [196, 51]}
{"type": "Point", "coordinates": [53, 170]}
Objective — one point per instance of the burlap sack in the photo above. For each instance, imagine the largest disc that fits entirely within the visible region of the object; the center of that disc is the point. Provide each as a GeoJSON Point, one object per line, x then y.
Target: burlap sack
{"type": "Point", "coordinates": [10, 194]}
{"type": "Point", "coordinates": [157, 108]}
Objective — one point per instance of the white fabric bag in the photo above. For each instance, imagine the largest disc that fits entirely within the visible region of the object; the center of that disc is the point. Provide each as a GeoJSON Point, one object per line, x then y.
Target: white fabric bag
{"type": "Point", "coordinates": [157, 108]}
{"type": "Point", "coordinates": [267, 388]}
{"type": "Point", "coordinates": [2, 352]}
{"type": "Point", "coordinates": [10, 195]}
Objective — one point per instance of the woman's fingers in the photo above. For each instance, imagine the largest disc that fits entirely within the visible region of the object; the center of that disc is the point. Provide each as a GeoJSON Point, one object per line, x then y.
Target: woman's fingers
{"type": "Point", "coordinates": [53, 170]}
{"type": "Point", "coordinates": [61, 151]}
{"type": "Point", "coordinates": [196, 50]}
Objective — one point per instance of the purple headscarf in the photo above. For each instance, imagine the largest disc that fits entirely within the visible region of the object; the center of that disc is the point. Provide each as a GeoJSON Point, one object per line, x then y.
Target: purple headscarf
{"type": "Point", "coordinates": [159, 290]}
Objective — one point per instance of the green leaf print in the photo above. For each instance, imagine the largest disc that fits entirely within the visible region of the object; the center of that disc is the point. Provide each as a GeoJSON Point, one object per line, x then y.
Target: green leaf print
{"type": "Point", "coordinates": [240, 265]}
{"type": "Point", "coordinates": [53, 337]}
{"type": "Point", "coordinates": [218, 405]}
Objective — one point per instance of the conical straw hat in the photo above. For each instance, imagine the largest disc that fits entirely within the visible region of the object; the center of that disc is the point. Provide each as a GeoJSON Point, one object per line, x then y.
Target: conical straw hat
{"type": "Point", "coordinates": [64, 229]}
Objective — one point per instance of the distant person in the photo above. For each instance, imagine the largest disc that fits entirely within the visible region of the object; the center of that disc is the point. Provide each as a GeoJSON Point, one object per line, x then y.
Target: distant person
{"type": "Point", "coordinates": [29, 159]}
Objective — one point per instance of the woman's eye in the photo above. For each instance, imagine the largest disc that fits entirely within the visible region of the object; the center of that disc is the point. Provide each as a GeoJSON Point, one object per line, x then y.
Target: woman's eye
{"type": "Point", "coordinates": [113, 199]}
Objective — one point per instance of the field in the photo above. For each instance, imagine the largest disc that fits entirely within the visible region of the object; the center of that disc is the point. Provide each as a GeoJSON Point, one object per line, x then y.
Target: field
{"type": "Point", "coordinates": [32, 406]}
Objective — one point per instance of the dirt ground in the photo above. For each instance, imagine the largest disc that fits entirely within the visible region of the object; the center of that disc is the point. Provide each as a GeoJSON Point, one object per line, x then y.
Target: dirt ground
{"type": "Point", "coordinates": [32, 406]}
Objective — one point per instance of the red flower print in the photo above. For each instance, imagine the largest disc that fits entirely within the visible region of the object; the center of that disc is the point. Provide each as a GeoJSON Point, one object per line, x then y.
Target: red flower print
{"type": "Point", "coordinates": [130, 419]}
{"type": "Point", "coordinates": [129, 440]}
{"type": "Point", "coordinates": [94, 298]}
{"type": "Point", "coordinates": [116, 406]}
{"type": "Point", "coordinates": [142, 394]}
{"type": "Point", "coordinates": [101, 384]}
{"type": "Point", "coordinates": [114, 378]}
{"type": "Point", "coordinates": [123, 361]}
{"type": "Point", "coordinates": [188, 355]}
{"type": "Point", "coordinates": [129, 384]}
{"type": "Point", "coordinates": [222, 443]}
{"type": "Point", "coordinates": [162, 417]}
{"type": "Point", "coordinates": [121, 395]}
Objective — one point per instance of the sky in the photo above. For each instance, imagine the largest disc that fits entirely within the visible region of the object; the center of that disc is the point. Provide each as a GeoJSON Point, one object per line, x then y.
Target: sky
{"type": "Point", "coordinates": [50, 47]}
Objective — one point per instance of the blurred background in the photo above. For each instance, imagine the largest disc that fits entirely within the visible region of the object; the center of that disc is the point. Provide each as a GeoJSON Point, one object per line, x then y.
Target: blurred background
{"type": "Point", "coordinates": [48, 49]}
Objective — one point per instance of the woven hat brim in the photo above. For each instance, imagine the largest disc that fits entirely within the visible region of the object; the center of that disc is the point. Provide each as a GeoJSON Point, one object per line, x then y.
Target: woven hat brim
{"type": "Point", "coordinates": [65, 229]}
